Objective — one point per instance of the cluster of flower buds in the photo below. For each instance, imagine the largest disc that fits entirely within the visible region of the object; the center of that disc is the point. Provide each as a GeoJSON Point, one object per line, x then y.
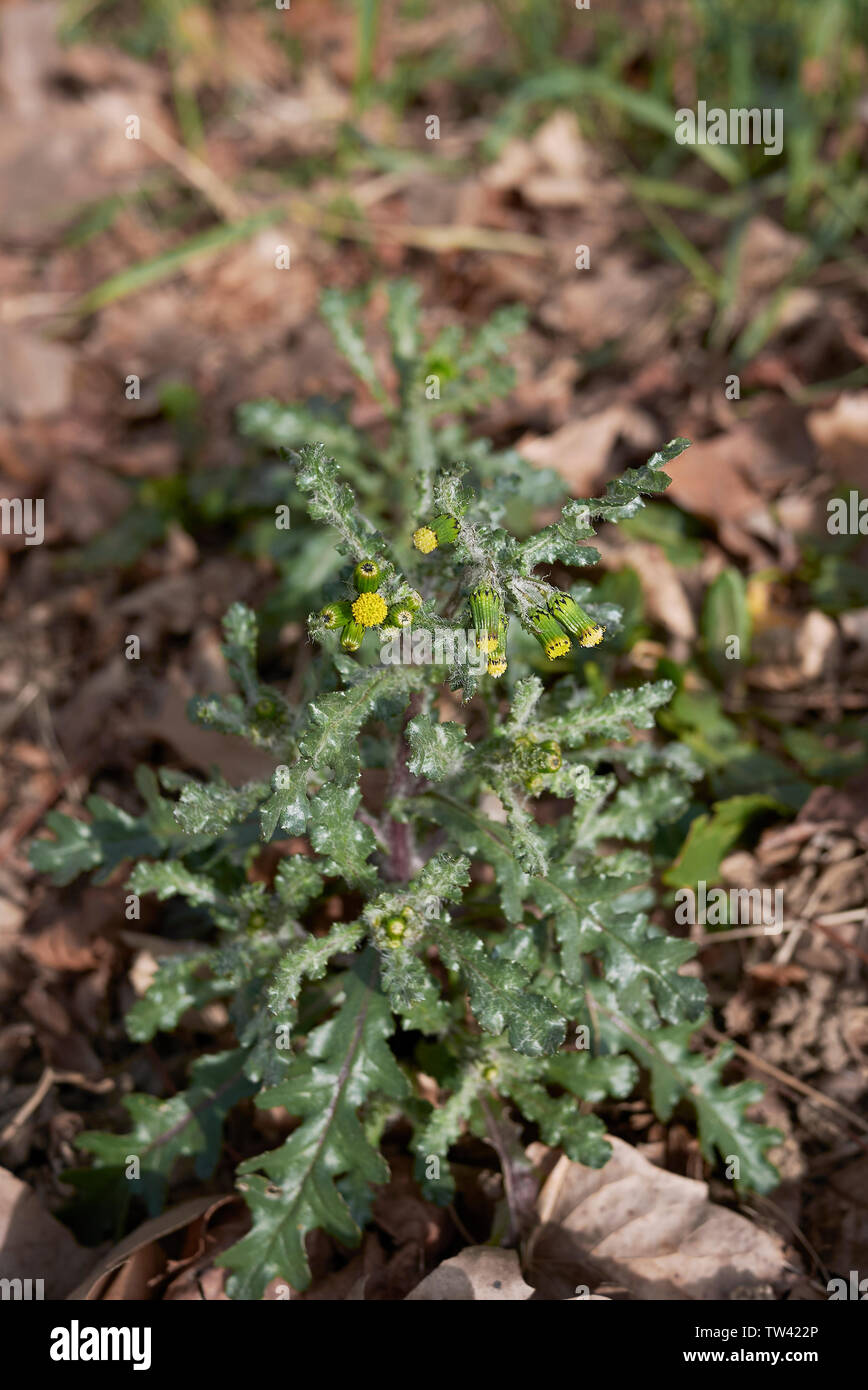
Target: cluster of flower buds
{"type": "Point", "coordinates": [395, 927]}
{"type": "Point", "coordinates": [369, 609]}
{"type": "Point", "coordinates": [536, 759]}
{"type": "Point", "coordinates": [443, 530]}
{"type": "Point", "coordinates": [562, 618]}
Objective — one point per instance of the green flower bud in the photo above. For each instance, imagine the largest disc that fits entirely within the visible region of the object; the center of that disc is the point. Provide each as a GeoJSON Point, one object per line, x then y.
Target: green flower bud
{"type": "Point", "coordinates": [400, 615]}
{"type": "Point", "coordinates": [352, 635]}
{"type": "Point", "coordinates": [486, 611]}
{"type": "Point", "coordinates": [550, 636]}
{"type": "Point", "coordinates": [395, 928]}
{"type": "Point", "coordinates": [535, 760]}
{"type": "Point", "coordinates": [575, 620]}
{"type": "Point", "coordinates": [443, 530]}
{"type": "Point", "coordinates": [366, 576]}
{"type": "Point", "coordinates": [550, 751]}
{"type": "Point", "coordinates": [336, 614]}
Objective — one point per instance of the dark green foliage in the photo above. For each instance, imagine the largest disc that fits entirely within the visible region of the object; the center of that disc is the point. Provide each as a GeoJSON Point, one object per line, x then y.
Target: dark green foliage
{"type": "Point", "coordinates": [491, 932]}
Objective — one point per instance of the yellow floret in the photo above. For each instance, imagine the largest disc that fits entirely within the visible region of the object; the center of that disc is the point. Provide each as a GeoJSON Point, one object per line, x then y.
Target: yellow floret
{"type": "Point", "coordinates": [558, 646]}
{"type": "Point", "coordinates": [592, 637]}
{"type": "Point", "coordinates": [425, 540]}
{"type": "Point", "coordinates": [488, 641]}
{"type": "Point", "coordinates": [370, 609]}
{"type": "Point", "coordinates": [497, 667]}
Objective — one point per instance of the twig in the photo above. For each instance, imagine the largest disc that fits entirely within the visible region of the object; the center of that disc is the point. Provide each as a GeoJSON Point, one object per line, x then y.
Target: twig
{"type": "Point", "coordinates": [50, 1078]}
{"type": "Point", "coordinates": [471, 1239]}
{"type": "Point", "coordinates": [779, 1214]}
{"type": "Point", "coordinates": [436, 239]}
{"type": "Point", "coordinates": [824, 923]}
{"type": "Point", "coordinates": [841, 943]}
{"type": "Point", "coordinates": [792, 1082]}
{"type": "Point", "coordinates": [223, 199]}
{"type": "Point", "coordinates": [717, 938]}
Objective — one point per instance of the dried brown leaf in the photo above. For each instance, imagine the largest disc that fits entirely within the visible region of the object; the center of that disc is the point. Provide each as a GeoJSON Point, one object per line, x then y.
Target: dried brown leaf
{"type": "Point", "coordinates": [480, 1273]}
{"type": "Point", "coordinates": [655, 1233]}
{"type": "Point", "coordinates": [32, 1244]}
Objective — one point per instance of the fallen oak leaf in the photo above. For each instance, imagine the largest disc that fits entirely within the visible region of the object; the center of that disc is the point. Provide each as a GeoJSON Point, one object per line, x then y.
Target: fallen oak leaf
{"type": "Point", "coordinates": [94, 1286]}
{"type": "Point", "coordinates": [480, 1273]}
{"type": "Point", "coordinates": [33, 1245]}
{"type": "Point", "coordinates": [655, 1233]}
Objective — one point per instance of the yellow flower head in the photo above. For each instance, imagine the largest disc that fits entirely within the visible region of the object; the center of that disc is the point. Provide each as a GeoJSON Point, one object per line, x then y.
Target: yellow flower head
{"type": "Point", "coordinates": [592, 636]}
{"type": "Point", "coordinates": [497, 666]}
{"type": "Point", "coordinates": [442, 530]}
{"type": "Point", "coordinates": [550, 636]}
{"type": "Point", "coordinates": [425, 540]}
{"type": "Point", "coordinates": [370, 609]}
{"type": "Point", "coordinates": [558, 646]}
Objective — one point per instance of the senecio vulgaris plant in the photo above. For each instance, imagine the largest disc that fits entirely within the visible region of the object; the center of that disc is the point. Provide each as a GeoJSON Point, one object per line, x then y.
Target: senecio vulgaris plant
{"type": "Point", "coordinates": [507, 953]}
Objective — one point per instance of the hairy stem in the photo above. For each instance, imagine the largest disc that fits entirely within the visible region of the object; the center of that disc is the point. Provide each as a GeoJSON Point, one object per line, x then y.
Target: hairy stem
{"type": "Point", "coordinates": [402, 783]}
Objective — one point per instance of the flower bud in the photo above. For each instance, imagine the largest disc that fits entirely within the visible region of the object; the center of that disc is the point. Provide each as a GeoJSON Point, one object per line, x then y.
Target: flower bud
{"type": "Point", "coordinates": [395, 928]}
{"type": "Point", "coordinates": [550, 755]}
{"type": "Point", "coordinates": [351, 637]}
{"type": "Point", "coordinates": [550, 636]}
{"type": "Point", "coordinates": [366, 576]}
{"type": "Point", "coordinates": [336, 614]}
{"type": "Point", "coordinates": [575, 620]}
{"type": "Point", "coordinates": [401, 615]}
{"type": "Point", "coordinates": [486, 611]}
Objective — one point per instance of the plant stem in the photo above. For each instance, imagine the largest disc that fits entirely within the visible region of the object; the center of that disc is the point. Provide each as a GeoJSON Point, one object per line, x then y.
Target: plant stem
{"type": "Point", "coordinates": [402, 783]}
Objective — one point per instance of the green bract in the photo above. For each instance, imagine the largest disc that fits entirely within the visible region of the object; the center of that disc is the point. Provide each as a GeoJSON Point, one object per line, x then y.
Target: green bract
{"type": "Point", "coordinates": [435, 907]}
{"type": "Point", "coordinates": [352, 636]}
{"type": "Point", "coordinates": [549, 634]}
{"type": "Point", "coordinates": [367, 576]}
{"type": "Point", "coordinates": [337, 614]}
{"type": "Point", "coordinates": [575, 620]}
{"type": "Point", "coordinates": [485, 609]}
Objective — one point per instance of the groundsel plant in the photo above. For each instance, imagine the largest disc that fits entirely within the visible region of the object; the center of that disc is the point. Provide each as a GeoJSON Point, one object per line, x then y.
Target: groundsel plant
{"type": "Point", "coordinates": [492, 882]}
